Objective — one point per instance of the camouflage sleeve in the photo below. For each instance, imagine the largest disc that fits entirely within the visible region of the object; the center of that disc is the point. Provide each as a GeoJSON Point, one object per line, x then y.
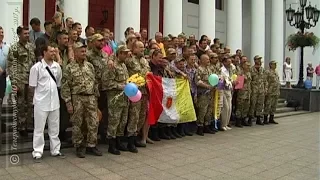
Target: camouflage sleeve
{"type": "Point", "coordinates": [198, 76]}
{"type": "Point", "coordinates": [265, 80]}
{"type": "Point", "coordinates": [96, 83]}
{"type": "Point", "coordinates": [65, 85]}
{"type": "Point", "coordinates": [109, 76]}
{"type": "Point", "coordinates": [12, 65]}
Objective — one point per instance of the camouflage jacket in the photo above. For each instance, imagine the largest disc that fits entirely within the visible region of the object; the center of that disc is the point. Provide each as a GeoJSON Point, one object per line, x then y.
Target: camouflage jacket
{"type": "Point", "coordinates": [203, 74]}
{"type": "Point", "coordinates": [245, 92]}
{"type": "Point", "coordinates": [99, 60]}
{"type": "Point", "coordinates": [215, 68]}
{"type": "Point", "coordinates": [20, 60]}
{"type": "Point", "coordinates": [113, 78]}
{"type": "Point", "coordinates": [139, 66]}
{"type": "Point", "coordinates": [78, 79]}
{"type": "Point", "coordinates": [258, 83]}
{"type": "Point", "coordinates": [272, 78]}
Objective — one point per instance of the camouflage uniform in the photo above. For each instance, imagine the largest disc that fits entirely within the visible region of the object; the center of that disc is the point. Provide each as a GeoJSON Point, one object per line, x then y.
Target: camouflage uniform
{"type": "Point", "coordinates": [273, 92]}
{"type": "Point", "coordinates": [203, 105]}
{"type": "Point", "coordinates": [257, 91]}
{"type": "Point", "coordinates": [137, 111]}
{"type": "Point", "coordinates": [243, 96]}
{"type": "Point", "coordinates": [20, 60]}
{"type": "Point", "coordinates": [80, 88]}
{"type": "Point", "coordinates": [118, 103]}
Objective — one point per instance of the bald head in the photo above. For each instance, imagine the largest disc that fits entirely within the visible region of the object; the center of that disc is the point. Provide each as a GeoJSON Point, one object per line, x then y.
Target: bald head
{"type": "Point", "coordinates": [158, 37]}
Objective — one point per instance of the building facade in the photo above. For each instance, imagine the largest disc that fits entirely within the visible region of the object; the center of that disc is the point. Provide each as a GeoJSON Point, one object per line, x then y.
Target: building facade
{"type": "Point", "coordinates": [255, 26]}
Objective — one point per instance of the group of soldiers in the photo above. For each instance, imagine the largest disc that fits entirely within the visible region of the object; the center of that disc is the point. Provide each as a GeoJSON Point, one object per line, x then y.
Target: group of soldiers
{"type": "Point", "coordinates": [92, 97]}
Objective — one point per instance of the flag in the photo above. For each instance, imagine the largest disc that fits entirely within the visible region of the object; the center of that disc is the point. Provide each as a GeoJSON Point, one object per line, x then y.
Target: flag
{"type": "Point", "coordinates": [170, 100]}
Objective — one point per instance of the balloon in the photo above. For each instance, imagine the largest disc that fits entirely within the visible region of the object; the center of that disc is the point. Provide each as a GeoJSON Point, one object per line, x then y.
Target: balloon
{"type": "Point", "coordinates": [220, 84]}
{"type": "Point", "coordinates": [213, 79]}
{"type": "Point", "coordinates": [136, 98]}
{"type": "Point", "coordinates": [234, 77]}
{"type": "Point", "coordinates": [131, 89]}
{"type": "Point", "coordinates": [8, 87]}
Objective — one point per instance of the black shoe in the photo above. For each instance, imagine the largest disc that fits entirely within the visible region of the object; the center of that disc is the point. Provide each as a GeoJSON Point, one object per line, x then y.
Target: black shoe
{"type": "Point", "coordinates": [175, 133]}
{"type": "Point", "coordinates": [259, 122]}
{"type": "Point", "coordinates": [208, 130]}
{"type": "Point", "coordinates": [265, 119]}
{"type": "Point", "coordinates": [181, 129]}
{"type": "Point", "coordinates": [120, 146]}
{"type": "Point", "coordinates": [250, 121]}
{"type": "Point", "coordinates": [163, 133]}
{"type": "Point", "coordinates": [271, 120]}
{"type": "Point", "coordinates": [238, 123]}
{"type": "Point", "coordinates": [80, 152]}
{"type": "Point", "coordinates": [93, 151]}
{"type": "Point", "coordinates": [186, 130]}
{"type": "Point", "coordinates": [131, 146]}
{"type": "Point", "coordinates": [139, 143]}
{"type": "Point", "coordinates": [23, 133]}
{"type": "Point", "coordinates": [154, 134]}
{"type": "Point", "coordinates": [112, 147]}
{"type": "Point", "coordinates": [244, 122]}
{"type": "Point", "coordinates": [169, 133]}
{"type": "Point", "coordinates": [200, 131]}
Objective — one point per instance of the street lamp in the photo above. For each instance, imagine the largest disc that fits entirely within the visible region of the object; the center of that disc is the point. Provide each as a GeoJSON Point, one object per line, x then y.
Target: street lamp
{"type": "Point", "coordinates": [297, 20]}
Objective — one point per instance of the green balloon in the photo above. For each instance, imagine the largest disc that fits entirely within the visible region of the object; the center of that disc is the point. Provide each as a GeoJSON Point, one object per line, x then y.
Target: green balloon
{"type": "Point", "coordinates": [213, 79]}
{"type": "Point", "coordinates": [9, 87]}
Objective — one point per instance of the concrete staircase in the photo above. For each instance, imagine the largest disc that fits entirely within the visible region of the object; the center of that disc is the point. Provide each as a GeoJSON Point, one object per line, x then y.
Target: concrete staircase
{"type": "Point", "coordinates": [284, 111]}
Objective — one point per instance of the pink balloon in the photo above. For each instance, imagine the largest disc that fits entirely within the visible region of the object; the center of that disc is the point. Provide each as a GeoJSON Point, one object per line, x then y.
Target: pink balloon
{"type": "Point", "coordinates": [136, 98]}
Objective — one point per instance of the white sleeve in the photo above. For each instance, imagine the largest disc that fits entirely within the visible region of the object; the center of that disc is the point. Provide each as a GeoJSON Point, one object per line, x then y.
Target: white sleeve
{"type": "Point", "coordinates": [59, 76]}
{"type": "Point", "coordinates": [33, 77]}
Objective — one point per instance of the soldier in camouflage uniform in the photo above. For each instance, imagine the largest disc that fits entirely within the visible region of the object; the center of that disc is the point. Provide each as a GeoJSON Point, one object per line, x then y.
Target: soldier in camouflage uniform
{"type": "Point", "coordinates": [20, 60]}
{"type": "Point", "coordinates": [114, 79]}
{"type": "Point", "coordinates": [214, 63]}
{"type": "Point", "coordinates": [98, 59]}
{"type": "Point", "coordinates": [243, 97]}
{"type": "Point", "coordinates": [137, 64]}
{"type": "Point", "coordinates": [257, 90]}
{"type": "Point", "coordinates": [273, 93]}
{"type": "Point", "coordinates": [80, 92]}
{"type": "Point", "coordinates": [204, 96]}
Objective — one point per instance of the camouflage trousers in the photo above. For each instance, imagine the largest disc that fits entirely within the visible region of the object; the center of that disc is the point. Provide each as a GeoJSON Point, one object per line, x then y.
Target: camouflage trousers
{"type": "Point", "coordinates": [137, 115]}
{"type": "Point", "coordinates": [25, 107]}
{"type": "Point", "coordinates": [256, 104]}
{"type": "Point", "coordinates": [117, 114]}
{"type": "Point", "coordinates": [204, 109]}
{"type": "Point", "coordinates": [270, 105]}
{"type": "Point", "coordinates": [243, 105]}
{"type": "Point", "coordinates": [84, 111]}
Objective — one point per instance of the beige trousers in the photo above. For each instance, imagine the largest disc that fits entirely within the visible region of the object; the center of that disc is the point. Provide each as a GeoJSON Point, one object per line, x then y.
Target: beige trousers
{"type": "Point", "coordinates": [227, 108]}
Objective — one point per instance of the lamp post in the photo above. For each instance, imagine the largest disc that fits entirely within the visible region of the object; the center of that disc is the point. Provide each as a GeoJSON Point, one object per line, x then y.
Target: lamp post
{"type": "Point", "coordinates": [297, 20]}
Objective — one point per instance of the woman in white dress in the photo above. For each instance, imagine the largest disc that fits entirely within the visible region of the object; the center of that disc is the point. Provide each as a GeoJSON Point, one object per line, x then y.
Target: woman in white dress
{"type": "Point", "coordinates": [287, 71]}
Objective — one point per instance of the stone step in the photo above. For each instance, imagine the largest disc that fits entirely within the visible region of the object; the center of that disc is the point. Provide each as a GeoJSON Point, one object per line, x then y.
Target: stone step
{"type": "Point", "coordinates": [285, 109]}
{"type": "Point", "coordinates": [281, 100]}
{"type": "Point", "coordinates": [291, 113]}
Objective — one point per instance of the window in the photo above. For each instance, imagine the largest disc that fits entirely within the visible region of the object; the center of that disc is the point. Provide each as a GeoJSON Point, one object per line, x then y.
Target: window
{"type": "Point", "coordinates": [219, 3]}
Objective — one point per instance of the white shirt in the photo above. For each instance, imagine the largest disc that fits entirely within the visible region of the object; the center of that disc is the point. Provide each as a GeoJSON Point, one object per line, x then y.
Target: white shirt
{"type": "Point", "coordinates": [226, 76]}
{"type": "Point", "coordinates": [46, 95]}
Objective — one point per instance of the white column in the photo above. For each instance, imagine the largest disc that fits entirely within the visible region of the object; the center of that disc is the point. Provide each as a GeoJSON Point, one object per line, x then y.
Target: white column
{"type": "Point", "coordinates": [277, 34]}
{"type": "Point", "coordinates": [129, 13]}
{"type": "Point", "coordinates": [11, 18]}
{"type": "Point", "coordinates": [207, 20]}
{"type": "Point", "coordinates": [153, 17]}
{"type": "Point", "coordinates": [172, 17]}
{"type": "Point", "coordinates": [117, 32]}
{"type": "Point", "coordinates": [79, 11]}
{"type": "Point", "coordinates": [258, 28]}
{"type": "Point", "coordinates": [234, 25]}
{"type": "Point", "coordinates": [37, 10]}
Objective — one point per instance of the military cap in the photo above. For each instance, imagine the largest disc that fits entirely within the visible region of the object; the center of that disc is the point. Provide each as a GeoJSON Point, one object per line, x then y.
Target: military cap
{"type": "Point", "coordinates": [257, 57]}
{"type": "Point", "coordinates": [273, 62]}
{"type": "Point", "coordinates": [179, 60]}
{"type": "Point", "coordinates": [215, 55]}
{"type": "Point", "coordinates": [79, 45]}
{"type": "Point", "coordinates": [123, 48]}
{"type": "Point", "coordinates": [57, 15]}
{"type": "Point", "coordinates": [96, 37]}
{"type": "Point", "coordinates": [167, 38]}
{"type": "Point", "coordinates": [171, 51]}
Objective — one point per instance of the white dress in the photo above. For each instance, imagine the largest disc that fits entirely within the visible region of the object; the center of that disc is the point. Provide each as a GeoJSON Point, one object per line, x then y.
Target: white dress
{"type": "Point", "coordinates": [287, 71]}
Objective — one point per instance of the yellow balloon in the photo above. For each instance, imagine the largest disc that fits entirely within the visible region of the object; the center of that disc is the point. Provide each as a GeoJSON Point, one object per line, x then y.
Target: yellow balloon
{"type": "Point", "coordinates": [234, 77]}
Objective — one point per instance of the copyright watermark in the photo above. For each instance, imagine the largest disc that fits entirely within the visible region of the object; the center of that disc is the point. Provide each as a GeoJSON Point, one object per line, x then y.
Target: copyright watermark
{"type": "Point", "coordinates": [14, 159]}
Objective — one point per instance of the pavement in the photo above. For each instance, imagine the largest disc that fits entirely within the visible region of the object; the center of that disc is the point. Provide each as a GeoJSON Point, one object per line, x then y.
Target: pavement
{"type": "Point", "coordinates": [288, 151]}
